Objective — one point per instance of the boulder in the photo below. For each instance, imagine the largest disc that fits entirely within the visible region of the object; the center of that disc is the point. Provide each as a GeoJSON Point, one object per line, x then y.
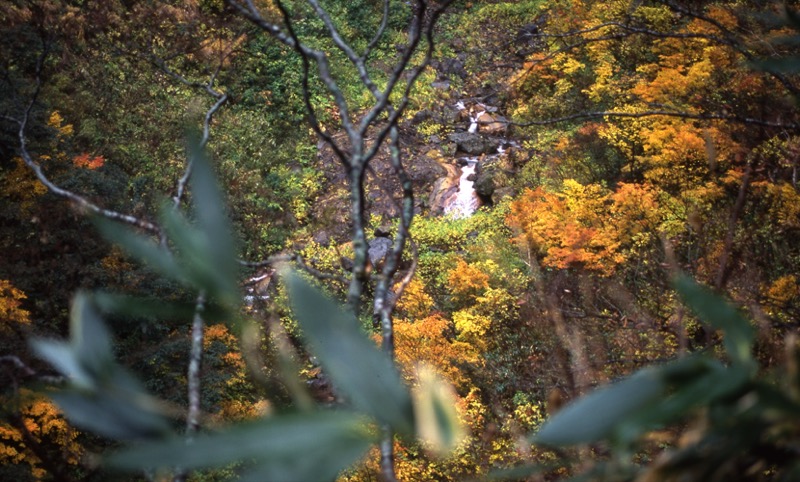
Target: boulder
{"type": "Point", "coordinates": [474, 143]}
{"type": "Point", "coordinates": [426, 169]}
{"type": "Point", "coordinates": [377, 250]}
{"type": "Point", "coordinates": [421, 116]}
{"type": "Point", "coordinates": [322, 238]}
{"type": "Point", "coordinates": [491, 124]}
{"type": "Point", "coordinates": [451, 67]}
{"type": "Point", "coordinates": [443, 189]}
{"type": "Point", "coordinates": [451, 115]}
{"type": "Point", "coordinates": [484, 184]}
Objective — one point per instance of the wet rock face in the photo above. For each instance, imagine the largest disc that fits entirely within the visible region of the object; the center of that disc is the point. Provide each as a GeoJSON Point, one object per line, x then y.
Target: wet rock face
{"type": "Point", "coordinates": [443, 190]}
{"type": "Point", "coordinates": [425, 169]}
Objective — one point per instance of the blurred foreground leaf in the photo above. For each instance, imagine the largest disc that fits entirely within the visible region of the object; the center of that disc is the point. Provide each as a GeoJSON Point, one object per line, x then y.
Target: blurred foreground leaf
{"type": "Point", "coordinates": [435, 410]}
{"type": "Point", "coordinates": [103, 397]}
{"type": "Point", "coordinates": [209, 210]}
{"type": "Point", "coordinates": [306, 446]}
{"type": "Point", "coordinates": [716, 312]}
{"type": "Point", "coordinates": [134, 306]}
{"type": "Point", "coordinates": [203, 254]}
{"type": "Point", "coordinates": [119, 415]}
{"type": "Point", "coordinates": [598, 415]}
{"type": "Point", "coordinates": [360, 372]}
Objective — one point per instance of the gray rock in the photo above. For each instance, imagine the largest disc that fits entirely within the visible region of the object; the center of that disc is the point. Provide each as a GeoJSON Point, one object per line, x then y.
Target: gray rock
{"type": "Point", "coordinates": [421, 116]}
{"type": "Point", "coordinates": [451, 66]}
{"type": "Point", "coordinates": [474, 143]}
{"type": "Point", "coordinates": [322, 238]}
{"type": "Point", "coordinates": [426, 169]}
{"type": "Point", "coordinates": [450, 116]}
{"type": "Point", "coordinates": [484, 184]}
{"type": "Point", "coordinates": [378, 249]}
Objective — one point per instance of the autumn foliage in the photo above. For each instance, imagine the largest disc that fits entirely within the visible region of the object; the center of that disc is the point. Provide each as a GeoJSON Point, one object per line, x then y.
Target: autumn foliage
{"type": "Point", "coordinates": [645, 139]}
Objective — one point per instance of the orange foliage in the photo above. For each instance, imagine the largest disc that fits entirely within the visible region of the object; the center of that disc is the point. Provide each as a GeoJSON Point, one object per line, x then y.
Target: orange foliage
{"type": "Point", "coordinates": [227, 359]}
{"type": "Point", "coordinates": [467, 281]}
{"type": "Point", "coordinates": [57, 122]}
{"type": "Point", "coordinates": [46, 426]}
{"type": "Point", "coordinates": [784, 203]}
{"type": "Point", "coordinates": [427, 340]}
{"type": "Point", "coordinates": [585, 225]}
{"type": "Point", "coordinates": [238, 410]}
{"type": "Point", "coordinates": [21, 184]}
{"type": "Point", "coordinates": [87, 162]}
{"type": "Point", "coordinates": [219, 333]}
{"type": "Point", "coordinates": [415, 302]}
{"type": "Point", "coordinates": [783, 291]}
{"type": "Point", "coordinates": [11, 312]}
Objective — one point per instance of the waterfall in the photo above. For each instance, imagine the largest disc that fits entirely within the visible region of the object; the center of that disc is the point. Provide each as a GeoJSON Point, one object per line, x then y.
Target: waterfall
{"type": "Point", "coordinates": [473, 122]}
{"type": "Point", "coordinates": [466, 201]}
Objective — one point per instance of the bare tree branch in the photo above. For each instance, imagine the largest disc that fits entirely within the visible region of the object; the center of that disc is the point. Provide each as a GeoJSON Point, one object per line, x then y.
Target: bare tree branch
{"type": "Point", "coordinates": [381, 116]}
{"type": "Point", "coordinates": [81, 202]}
{"type": "Point", "coordinates": [27, 371]}
{"type": "Point", "coordinates": [220, 99]}
{"type": "Point", "coordinates": [343, 157]}
{"type": "Point", "coordinates": [193, 379]}
{"type": "Point", "coordinates": [379, 33]}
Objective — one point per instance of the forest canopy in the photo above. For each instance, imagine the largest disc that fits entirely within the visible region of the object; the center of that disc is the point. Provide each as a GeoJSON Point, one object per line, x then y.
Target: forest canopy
{"type": "Point", "coordinates": [399, 240]}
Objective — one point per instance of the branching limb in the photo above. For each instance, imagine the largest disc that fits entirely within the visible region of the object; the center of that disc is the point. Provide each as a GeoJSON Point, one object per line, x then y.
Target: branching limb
{"type": "Point", "coordinates": [343, 157]}
{"type": "Point", "coordinates": [296, 258]}
{"type": "Point", "coordinates": [81, 202]}
{"type": "Point", "coordinates": [323, 67]}
{"type": "Point", "coordinates": [397, 111]}
{"type": "Point", "coordinates": [379, 33]}
{"type": "Point", "coordinates": [187, 173]}
{"type": "Point", "coordinates": [381, 117]}
{"type": "Point", "coordinates": [249, 11]}
{"type": "Point", "coordinates": [356, 60]}
{"type": "Point", "coordinates": [383, 306]}
{"type": "Point", "coordinates": [28, 372]}
{"type": "Point", "coordinates": [220, 99]}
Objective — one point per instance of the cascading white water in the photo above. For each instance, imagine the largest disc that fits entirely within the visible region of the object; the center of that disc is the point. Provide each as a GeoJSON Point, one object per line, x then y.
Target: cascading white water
{"type": "Point", "coordinates": [473, 122]}
{"type": "Point", "coordinates": [465, 202]}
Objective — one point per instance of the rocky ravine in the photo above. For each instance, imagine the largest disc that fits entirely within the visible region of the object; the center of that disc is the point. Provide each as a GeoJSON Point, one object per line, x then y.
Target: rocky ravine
{"type": "Point", "coordinates": [434, 164]}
